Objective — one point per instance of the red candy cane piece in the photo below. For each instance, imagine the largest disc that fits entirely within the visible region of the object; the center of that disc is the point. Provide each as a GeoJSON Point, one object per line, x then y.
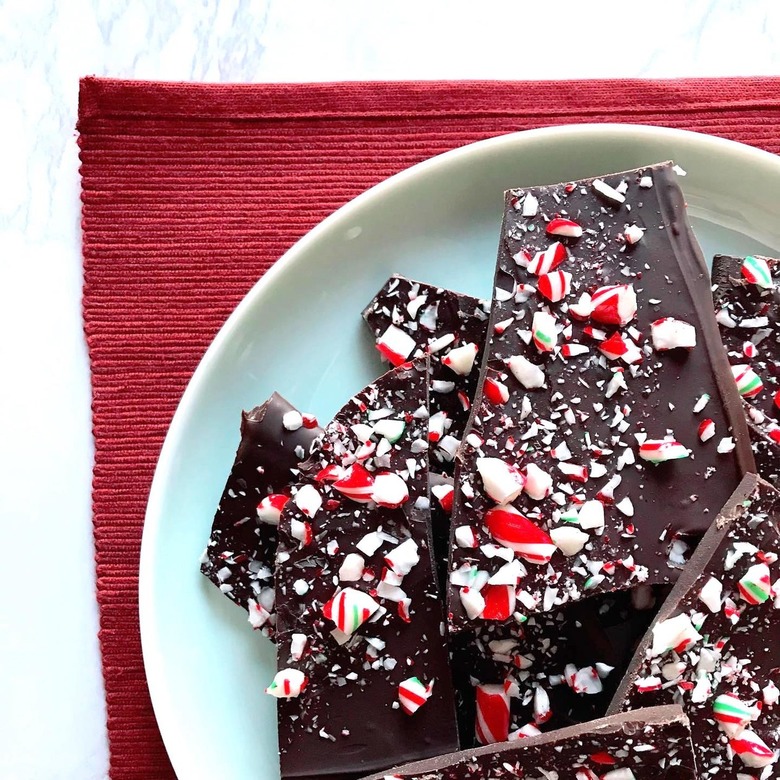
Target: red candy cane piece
{"type": "Point", "coordinates": [499, 602]}
{"type": "Point", "coordinates": [356, 483]}
{"type": "Point", "coordinates": [706, 429]}
{"type": "Point", "coordinates": [444, 494]}
{"type": "Point", "coordinates": [564, 227]}
{"type": "Point", "coordinates": [555, 286]}
{"type": "Point", "coordinates": [492, 722]}
{"type": "Point", "coordinates": [395, 345]}
{"type": "Point", "coordinates": [508, 527]}
{"type": "Point", "coordinates": [349, 609]}
{"type": "Point", "coordinates": [270, 508]}
{"type": "Point", "coordinates": [614, 304]}
{"type": "Point", "coordinates": [496, 392]}
{"type": "Point", "coordinates": [542, 709]}
{"type": "Point", "coordinates": [309, 421]}
{"type": "Point", "coordinates": [412, 694]}
{"type": "Point", "coordinates": [549, 260]}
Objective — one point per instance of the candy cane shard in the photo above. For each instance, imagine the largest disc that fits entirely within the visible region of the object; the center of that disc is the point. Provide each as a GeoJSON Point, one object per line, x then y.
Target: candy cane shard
{"type": "Point", "coordinates": [713, 646]}
{"type": "Point", "coordinates": [747, 301]}
{"type": "Point", "coordinates": [361, 596]}
{"type": "Point", "coordinates": [448, 326]}
{"type": "Point", "coordinates": [649, 744]}
{"type": "Point", "coordinates": [240, 556]}
{"type": "Point", "coordinates": [599, 373]}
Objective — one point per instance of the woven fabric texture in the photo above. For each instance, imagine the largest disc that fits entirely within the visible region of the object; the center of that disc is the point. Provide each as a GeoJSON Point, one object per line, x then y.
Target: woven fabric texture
{"type": "Point", "coordinates": [191, 192]}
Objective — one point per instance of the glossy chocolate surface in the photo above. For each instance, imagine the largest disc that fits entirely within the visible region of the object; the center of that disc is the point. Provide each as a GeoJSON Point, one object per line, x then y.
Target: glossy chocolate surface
{"type": "Point", "coordinates": [241, 551]}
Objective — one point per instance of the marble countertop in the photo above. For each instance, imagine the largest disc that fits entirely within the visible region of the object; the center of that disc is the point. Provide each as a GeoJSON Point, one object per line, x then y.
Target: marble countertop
{"type": "Point", "coordinates": [52, 722]}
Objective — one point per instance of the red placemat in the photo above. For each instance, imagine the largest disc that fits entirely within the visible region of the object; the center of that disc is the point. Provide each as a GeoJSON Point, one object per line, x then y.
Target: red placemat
{"type": "Point", "coordinates": [191, 192]}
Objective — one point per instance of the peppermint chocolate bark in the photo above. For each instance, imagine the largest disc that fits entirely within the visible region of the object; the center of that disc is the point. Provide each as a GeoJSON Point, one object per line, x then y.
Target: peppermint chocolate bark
{"type": "Point", "coordinates": [649, 744]}
{"type": "Point", "coordinates": [240, 556]}
{"type": "Point", "coordinates": [556, 669]}
{"type": "Point", "coordinates": [409, 319]}
{"type": "Point", "coordinates": [583, 464]}
{"type": "Point", "coordinates": [746, 304]}
{"type": "Point", "coordinates": [715, 645]}
{"type": "Point", "coordinates": [360, 635]}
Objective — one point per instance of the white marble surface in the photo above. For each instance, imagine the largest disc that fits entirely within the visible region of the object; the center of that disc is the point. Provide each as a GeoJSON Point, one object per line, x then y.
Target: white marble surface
{"type": "Point", "coordinates": [52, 712]}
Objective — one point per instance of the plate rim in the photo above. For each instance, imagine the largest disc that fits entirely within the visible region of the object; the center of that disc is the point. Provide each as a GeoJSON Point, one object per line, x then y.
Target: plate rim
{"type": "Point", "coordinates": [165, 715]}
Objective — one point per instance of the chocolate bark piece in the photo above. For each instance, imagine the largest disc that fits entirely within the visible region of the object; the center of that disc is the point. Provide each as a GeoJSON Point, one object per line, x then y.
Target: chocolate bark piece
{"type": "Point", "coordinates": [409, 318]}
{"type": "Point", "coordinates": [715, 645]}
{"type": "Point", "coordinates": [649, 744]}
{"type": "Point", "coordinates": [240, 556]}
{"type": "Point", "coordinates": [586, 422]}
{"type": "Point", "coordinates": [747, 303]}
{"type": "Point", "coordinates": [360, 617]}
{"type": "Point", "coordinates": [558, 668]}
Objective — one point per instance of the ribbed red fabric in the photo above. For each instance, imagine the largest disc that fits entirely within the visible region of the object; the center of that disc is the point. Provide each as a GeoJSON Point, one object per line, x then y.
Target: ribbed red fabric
{"type": "Point", "coordinates": [191, 192]}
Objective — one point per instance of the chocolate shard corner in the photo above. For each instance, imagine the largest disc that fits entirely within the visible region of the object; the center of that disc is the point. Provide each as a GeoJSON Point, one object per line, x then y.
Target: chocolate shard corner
{"type": "Point", "coordinates": [240, 555]}
{"type": "Point", "coordinates": [714, 647]}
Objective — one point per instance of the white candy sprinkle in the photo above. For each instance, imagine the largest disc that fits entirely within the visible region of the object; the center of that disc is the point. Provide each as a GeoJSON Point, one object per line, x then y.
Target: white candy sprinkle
{"type": "Point", "coordinates": [292, 420]}
{"type": "Point", "coordinates": [352, 568]}
{"type": "Point", "coordinates": [530, 205]}
{"type": "Point", "coordinates": [527, 373]}
{"type": "Point", "coordinates": [610, 193]}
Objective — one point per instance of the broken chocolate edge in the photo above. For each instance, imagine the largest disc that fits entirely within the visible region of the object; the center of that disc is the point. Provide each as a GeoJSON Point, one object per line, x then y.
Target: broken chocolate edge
{"type": "Point", "coordinates": [695, 567]}
{"type": "Point", "coordinates": [662, 714]}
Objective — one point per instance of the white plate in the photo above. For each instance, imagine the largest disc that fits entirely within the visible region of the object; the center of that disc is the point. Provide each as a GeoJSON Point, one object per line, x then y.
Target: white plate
{"type": "Point", "coordinates": [299, 332]}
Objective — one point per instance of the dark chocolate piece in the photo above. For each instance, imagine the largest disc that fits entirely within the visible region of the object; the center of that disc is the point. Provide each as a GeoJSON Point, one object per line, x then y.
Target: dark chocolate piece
{"type": "Point", "coordinates": [746, 305]}
{"type": "Point", "coordinates": [241, 551]}
{"type": "Point", "coordinates": [360, 618]}
{"type": "Point", "coordinates": [557, 669]}
{"type": "Point", "coordinates": [649, 744]}
{"type": "Point", "coordinates": [715, 645]}
{"type": "Point", "coordinates": [586, 424]}
{"type": "Point", "coordinates": [410, 318]}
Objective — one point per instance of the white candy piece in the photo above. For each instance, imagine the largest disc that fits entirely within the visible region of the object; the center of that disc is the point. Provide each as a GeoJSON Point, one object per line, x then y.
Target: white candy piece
{"type": "Point", "coordinates": [670, 333]}
{"type": "Point", "coordinates": [673, 633]}
{"type": "Point", "coordinates": [461, 359]}
{"type": "Point", "coordinates": [527, 373]}
{"type": "Point", "coordinates": [502, 481]}
{"type": "Point", "coordinates": [568, 539]}
{"type": "Point", "coordinates": [287, 684]}
{"type": "Point", "coordinates": [610, 193]}
{"type": "Point", "coordinates": [710, 594]}
{"type": "Point", "coordinates": [308, 500]}
{"type": "Point", "coordinates": [633, 234]}
{"type": "Point", "coordinates": [591, 514]}
{"type": "Point", "coordinates": [403, 558]}
{"type": "Point", "coordinates": [538, 483]}
{"type": "Point", "coordinates": [465, 536]}
{"type": "Point", "coordinates": [530, 205]}
{"type": "Point", "coordinates": [473, 602]}
{"type": "Point", "coordinates": [297, 646]}
{"type": "Point", "coordinates": [397, 342]}
{"type": "Point", "coordinates": [389, 490]}
{"type": "Point", "coordinates": [352, 568]}
{"type": "Point", "coordinates": [292, 420]}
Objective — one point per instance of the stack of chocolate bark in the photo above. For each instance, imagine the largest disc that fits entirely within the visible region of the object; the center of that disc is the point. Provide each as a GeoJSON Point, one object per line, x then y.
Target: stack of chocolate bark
{"type": "Point", "coordinates": [541, 531]}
